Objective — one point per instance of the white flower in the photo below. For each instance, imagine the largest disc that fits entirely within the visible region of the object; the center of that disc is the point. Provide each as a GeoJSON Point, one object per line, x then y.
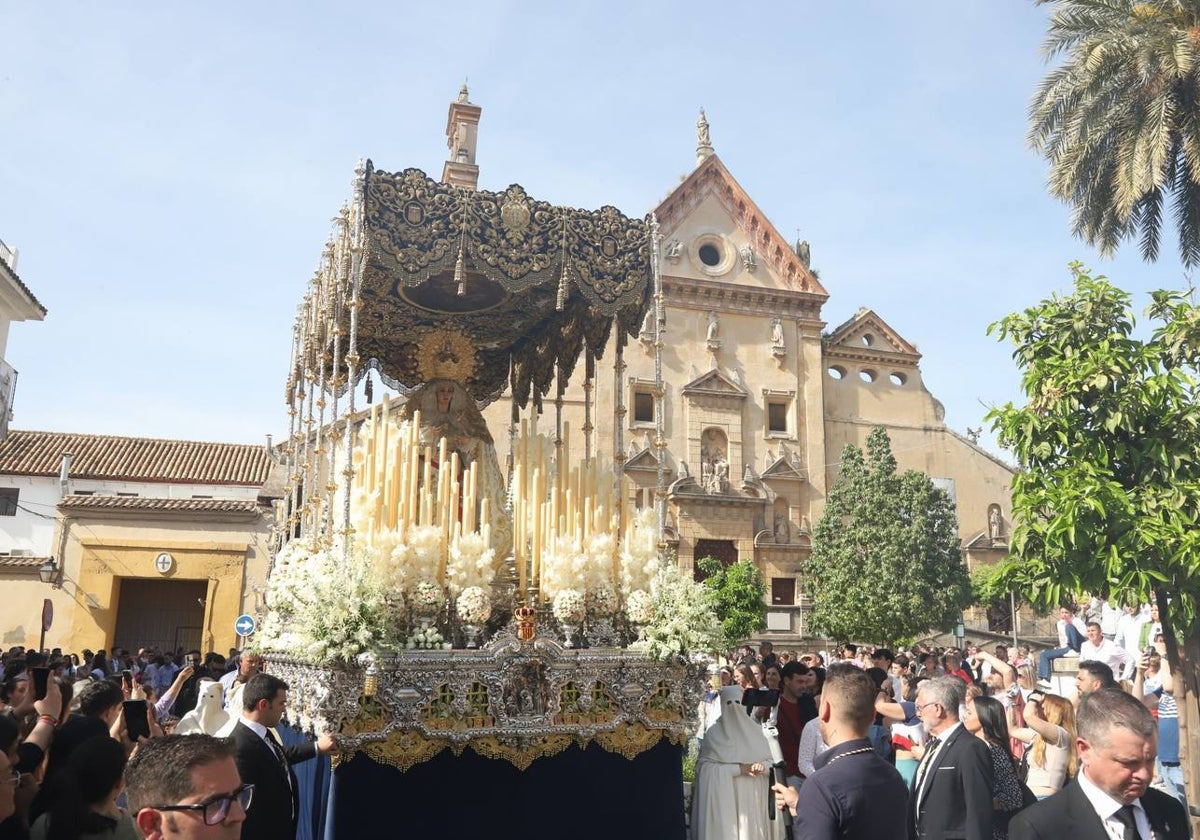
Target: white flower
{"type": "Point", "coordinates": [639, 606]}
{"type": "Point", "coordinates": [474, 605]}
{"type": "Point", "coordinates": [426, 598]}
{"type": "Point", "coordinates": [569, 606]}
{"type": "Point", "coordinates": [601, 601]}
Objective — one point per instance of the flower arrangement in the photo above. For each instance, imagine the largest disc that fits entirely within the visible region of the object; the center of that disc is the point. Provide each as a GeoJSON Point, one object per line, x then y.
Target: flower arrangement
{"type": "Point", "coordinates": [426, 638]}
{"type": "Point", "coordinates": [426, 599]}
{"type": "Point", "coordinates": [325, 605]}
{"type": "Point", "coordinates": [474, 605]}
{"type": "Point", "coordinates": [639, 607]}
{"type": "Point", "coordinates": [684, 621]}
{"type": "Point", "coordinates": [570, 607]}
{"type": "Point", "coordinates": [601, 602]}
{"type": "Point", "coordinates": [471, 563]}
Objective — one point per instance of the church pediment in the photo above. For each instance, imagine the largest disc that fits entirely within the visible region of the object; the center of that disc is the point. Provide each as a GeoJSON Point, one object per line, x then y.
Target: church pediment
{"type": "Point", "coordinates": [715, 383]}
{"type": "Point", "coordinates": [866, 335]}
{"type": "Point", "coordinates": [712, 230]}
{"type": "Point", "coordinates": [644, 461]}
{"type": "Point", "coordinates": [782, 469]}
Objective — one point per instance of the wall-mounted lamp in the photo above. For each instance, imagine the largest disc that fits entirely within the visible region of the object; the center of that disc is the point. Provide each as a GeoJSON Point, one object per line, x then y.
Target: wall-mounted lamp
{"type": "Point", "coordinates": [51, 573]}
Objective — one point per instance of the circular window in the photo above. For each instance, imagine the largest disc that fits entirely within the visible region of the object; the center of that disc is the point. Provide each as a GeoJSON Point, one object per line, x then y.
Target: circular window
{"type": "Point", "coordinates": [836, 372]}
{"type": "Point", "coordinates": [868, 340]}
{"type": "Point", "coordinates": [866, 375]}
{"type": "Point", "coordinates": [898, 378]}
{"type": "Point", "coordinates": [710, 254]}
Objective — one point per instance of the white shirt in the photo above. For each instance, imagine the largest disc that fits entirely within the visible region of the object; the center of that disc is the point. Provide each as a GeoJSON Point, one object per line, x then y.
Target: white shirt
{"type": "Point", "coordinates": [1106, 808]}
{"type": "Point", "coordinates": [811, 746]}
{"type": "Point", "coordinates": [1111, 654]}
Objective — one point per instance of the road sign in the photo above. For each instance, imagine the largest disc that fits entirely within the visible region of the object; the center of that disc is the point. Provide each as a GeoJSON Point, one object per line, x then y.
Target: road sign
{"type": "Point", "coordinates": [245, 625]}
{"type": "Point", "coordinates": [47, 614]}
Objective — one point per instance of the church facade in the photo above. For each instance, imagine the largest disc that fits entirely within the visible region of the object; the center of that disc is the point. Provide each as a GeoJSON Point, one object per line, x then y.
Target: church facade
{"type": "Point", "coordinates": [758, 397]}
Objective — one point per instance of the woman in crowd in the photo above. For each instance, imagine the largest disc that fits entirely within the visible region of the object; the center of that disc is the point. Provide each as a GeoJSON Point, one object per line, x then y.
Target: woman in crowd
{"type": "Point", "coordinates": [1050, 733]}
{"type": "Point", "coordinates": [986, 721]}
{"type": "Point", "coordinates": [744, 677]}
{"type": "Point", "coordinates": [100, 666]}
{"type": "Point", "coordinates": [82, 798]}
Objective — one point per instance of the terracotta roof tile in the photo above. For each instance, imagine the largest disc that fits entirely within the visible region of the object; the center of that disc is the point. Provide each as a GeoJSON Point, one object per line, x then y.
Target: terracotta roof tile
{"type": "Point", "coordinates": [21, 562]}
{"type": "Point", "coordinates": [134, 459]}
{"type": "Point", "coordinates": [147, 503]}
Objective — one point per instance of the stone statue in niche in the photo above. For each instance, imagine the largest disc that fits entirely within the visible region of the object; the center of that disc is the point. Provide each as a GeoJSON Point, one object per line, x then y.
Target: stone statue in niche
{"type": "Point", "coordinates": [674, 250]}
{"type": "Point", "coordinates": [747, 255]}
{"type": "Point", "coordinates": [804, 252]}
{"type": "Point", "coordinates": [720, 475]}
{"type": "Point", "coordinates": [777, 345]}
{"type": "Point", "coordinates": [646, 333]}
{"type": "Point", "coordinates": [714, 328]}
{"type": "Point", "coordinates": [782, 529]}
{"type": "Point", "coordinates": [995, 523]}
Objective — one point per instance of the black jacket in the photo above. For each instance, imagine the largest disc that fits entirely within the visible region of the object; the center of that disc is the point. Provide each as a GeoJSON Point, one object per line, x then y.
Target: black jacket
{"type": "Point", "coordinates": [274, 808]}
{"type": "Point", "coordinates": [1069, 814]}
{"type": "Point", "coordinates": [958, 792]}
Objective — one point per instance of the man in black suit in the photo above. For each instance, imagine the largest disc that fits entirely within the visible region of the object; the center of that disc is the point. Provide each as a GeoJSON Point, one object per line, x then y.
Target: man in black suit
{"type": "Point", "coordinates": [951, 794]}
{"type": "Point", "coordinates": [265, 763]}
{"type": "Point", "coordinates": [1111, 797]}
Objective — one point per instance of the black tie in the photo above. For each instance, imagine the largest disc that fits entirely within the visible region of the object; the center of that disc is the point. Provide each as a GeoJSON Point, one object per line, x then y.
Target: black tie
{"type": "Point", "coordinates": [1125, 817]}
{"type": "Point", "coordinates": [930, 746]}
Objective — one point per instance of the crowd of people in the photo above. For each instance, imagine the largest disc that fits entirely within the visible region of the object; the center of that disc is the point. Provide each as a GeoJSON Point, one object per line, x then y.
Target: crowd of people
{"type": "Point", "coordinates": [944, 743]}
{"type": "Point", "coordinates": [153, 745]}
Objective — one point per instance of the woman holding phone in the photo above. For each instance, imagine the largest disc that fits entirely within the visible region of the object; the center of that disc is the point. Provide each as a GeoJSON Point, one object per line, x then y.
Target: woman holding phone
{"type": "Point", "coordinates": [1050, 734]}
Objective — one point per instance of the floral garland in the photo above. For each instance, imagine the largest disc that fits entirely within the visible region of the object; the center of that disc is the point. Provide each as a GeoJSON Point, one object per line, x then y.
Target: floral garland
{"type": "Point", "coordinates": [474, 605]}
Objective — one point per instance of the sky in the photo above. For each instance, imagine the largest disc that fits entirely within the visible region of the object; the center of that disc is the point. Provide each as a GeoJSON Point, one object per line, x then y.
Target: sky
{"type": "Point", "coordinates": [169, 171]}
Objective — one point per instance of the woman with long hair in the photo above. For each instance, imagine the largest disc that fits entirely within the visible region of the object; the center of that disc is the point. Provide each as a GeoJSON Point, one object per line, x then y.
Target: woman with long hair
{"type": "Point", "coordinates": [907, 729]}
{"type": "Point", "coordinates": [83, 796]}
{"type": "Point", "coordinates": [987, 721]}
{"type": "Point", "coordinates": [1050, 733]}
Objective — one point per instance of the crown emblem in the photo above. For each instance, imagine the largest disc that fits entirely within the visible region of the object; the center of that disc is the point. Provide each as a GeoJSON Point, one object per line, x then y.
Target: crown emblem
{"type": "Point", "coordinates": [526, 623]}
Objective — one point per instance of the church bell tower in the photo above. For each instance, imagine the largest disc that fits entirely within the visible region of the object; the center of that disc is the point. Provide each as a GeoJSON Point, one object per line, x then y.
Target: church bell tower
{"type": "Point", "coordinates": [462, 133]}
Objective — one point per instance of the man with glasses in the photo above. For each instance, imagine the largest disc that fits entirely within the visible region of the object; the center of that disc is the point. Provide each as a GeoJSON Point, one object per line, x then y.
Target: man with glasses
{"type": "Point", "coordinates": [951, 795]}
{"type": "Point", "coordinates": [187, 787]}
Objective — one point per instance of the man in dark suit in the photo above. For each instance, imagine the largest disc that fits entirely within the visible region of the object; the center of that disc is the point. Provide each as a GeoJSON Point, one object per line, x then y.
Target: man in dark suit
{"type": "Point", "coordinates": [1111, 797]}
{"type": "Point", "coordinates": [265, 763]}
{"type": "Point", "coordinates": [951, 794]}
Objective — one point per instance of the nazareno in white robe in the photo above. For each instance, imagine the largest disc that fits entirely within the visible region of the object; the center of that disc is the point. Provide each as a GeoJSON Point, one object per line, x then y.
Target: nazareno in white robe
{"type": "Point", "coordinates": [727, 805]}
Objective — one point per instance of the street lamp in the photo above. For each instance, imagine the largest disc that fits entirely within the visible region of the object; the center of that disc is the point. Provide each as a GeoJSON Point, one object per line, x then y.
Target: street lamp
{"type": "Point", "coordinates": [48, 572]}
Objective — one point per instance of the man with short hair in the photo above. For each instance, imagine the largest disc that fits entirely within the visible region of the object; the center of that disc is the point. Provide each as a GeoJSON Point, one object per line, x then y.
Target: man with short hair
{"type": "Point", "coordinates": [952, 790]}
{"type": "Point", "coordinates": [766, 655]}
{"type": "Point", "coordinates": [1111, 796]}
{"type": "Point", "coordinates": [852, 793]}
{"type": "Point", "coordinates": [796, 708]}
{"type": "Point", "coordinates": [265, 763]}
{"type": "Point", "coordinates": [1099, 649]}
{"type": "Point", "coordinates": [1070, 638]}
{"type": "Point", "coordinates": [234, 682]}
{"type": "Point", "coordinates": [187, 787]}
{"type": "Point", "coordinates": [1093, 676]}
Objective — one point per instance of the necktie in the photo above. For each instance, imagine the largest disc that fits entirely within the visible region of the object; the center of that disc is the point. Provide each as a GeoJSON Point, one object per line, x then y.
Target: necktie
{"type": "Point", "coordinates": [930, 748]}
{"type": "Point", "coordinates": [282, 759]}
{"type": "Point", "coordinates": [1125, 817]}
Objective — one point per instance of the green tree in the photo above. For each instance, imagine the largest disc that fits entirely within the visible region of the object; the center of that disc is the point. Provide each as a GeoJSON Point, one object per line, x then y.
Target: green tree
{"type": "Point", "coordinates": [1118, 119]}
{"type": "Point", "coordinates": [1108, 443]}
{"type": "Point", "coordinates": [739, 594]}
{"type": "Point", "coordinates": [886, 562]}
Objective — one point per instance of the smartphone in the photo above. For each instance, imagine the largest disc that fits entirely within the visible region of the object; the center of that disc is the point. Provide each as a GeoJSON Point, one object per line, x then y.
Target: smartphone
{"type": "Point", "coordinates": [1150, 650]}
{"type": "Point", "coordinates": [136, 724]}
{"type": "Point", "coordinates": [41, 681]}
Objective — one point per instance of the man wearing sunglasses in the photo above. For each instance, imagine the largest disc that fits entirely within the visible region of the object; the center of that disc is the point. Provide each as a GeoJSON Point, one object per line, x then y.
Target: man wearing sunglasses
{"type": "Point", "coordinates": [187, 787]}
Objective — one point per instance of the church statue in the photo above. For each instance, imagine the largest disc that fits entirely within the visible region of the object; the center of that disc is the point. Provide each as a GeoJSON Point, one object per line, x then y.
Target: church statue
{"type": "Point", "coordinates": [776, 334]}
{"type": "Point", "coordinates": [702, 136]}
{"type": "Point", "coordinates": [803, 252]}
{"type": "Point", "coordinates": [674, 250]}
{"type": "Point", "coordinates": [782, 531]}
{"type": "Point", "coordinates": [747, 255]}
{"type": "Point", "coordinates": [714, 327]}
{"type": "Point", "coordinates": [995, 523]}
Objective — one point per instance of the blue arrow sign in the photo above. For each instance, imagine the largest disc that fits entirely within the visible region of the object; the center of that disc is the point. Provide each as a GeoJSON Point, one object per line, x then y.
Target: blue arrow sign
{"type": "Point", "coordinates": [244, 625]}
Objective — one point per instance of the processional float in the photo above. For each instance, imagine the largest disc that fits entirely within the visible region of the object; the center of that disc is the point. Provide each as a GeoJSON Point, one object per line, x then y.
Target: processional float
{"type": "Point", "coordinates": [442, 612]}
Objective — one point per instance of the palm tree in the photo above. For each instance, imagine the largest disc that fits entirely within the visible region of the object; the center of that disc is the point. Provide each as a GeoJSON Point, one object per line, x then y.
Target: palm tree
{"type": "Point", "coordinates": [1119, 119]}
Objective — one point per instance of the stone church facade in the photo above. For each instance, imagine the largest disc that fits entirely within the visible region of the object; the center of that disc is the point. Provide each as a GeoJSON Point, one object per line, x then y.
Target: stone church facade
{"type": "Point", "coordinates": [759, 397]}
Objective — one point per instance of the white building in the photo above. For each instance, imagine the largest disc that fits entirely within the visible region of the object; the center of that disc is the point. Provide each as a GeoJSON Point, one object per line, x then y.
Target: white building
{"type": "Point", "coordinates": [17, 303]}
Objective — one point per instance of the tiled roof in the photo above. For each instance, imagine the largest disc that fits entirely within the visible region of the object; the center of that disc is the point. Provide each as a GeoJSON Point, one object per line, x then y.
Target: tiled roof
{"type": "Point", "coordinates": [147, 503]}
{"type": "Point", "coordinates": [21, 562]}
{"type": "Point", "coordinates": [134, 459]}
{"type": "Point", "coordinates": [21, 285]}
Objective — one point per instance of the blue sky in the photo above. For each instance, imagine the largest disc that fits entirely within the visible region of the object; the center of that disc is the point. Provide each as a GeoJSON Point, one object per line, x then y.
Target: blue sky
{"type": "Point", "coordinates": [168, 172]}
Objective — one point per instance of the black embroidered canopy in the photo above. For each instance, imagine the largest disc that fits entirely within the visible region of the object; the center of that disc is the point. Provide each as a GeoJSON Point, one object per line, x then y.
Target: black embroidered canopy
{"type": "Point", "coordinates": [491, 288]}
